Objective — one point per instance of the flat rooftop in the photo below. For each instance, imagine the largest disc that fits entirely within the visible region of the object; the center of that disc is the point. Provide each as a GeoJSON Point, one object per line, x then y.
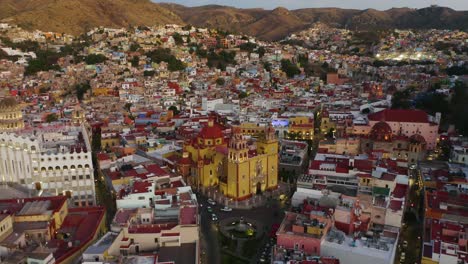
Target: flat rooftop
{"type": "Point", "coordinates": [102, 245]}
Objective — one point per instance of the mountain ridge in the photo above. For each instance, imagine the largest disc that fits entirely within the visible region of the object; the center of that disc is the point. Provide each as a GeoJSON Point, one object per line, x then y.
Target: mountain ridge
{"type": "Point", "coordinates": [77, 16]}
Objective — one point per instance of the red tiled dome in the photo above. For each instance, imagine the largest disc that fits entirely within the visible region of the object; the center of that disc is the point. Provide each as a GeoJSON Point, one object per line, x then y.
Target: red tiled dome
{"type": "Point", "coordinates": [211, 131]}
{"type": "Point", "coordinates": [381, 131]}
{"type": "Point", "coordinates": [416, 138]}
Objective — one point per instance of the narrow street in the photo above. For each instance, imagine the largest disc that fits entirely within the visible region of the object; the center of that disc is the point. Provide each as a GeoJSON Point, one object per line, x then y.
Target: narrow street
{"type": "Point", "coordinates": [412, 226]}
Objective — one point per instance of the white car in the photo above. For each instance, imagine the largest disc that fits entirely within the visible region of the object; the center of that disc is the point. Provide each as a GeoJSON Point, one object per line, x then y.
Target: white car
{"type": "Point", "coordinates": [226, 209]}
{"type": "Point", "coordinates": [211, 201]}
{"type": "Point", "coordinates": [214, 217]}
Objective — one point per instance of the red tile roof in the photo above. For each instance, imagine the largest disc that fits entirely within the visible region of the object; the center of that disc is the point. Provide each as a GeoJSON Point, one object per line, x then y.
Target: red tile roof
{"type": "Point", "coordinates": [211, 132]}
{"type": "Point", "coordinates": [400, 190]}
{"type": "Point", "coordinates": [154, 168]}
{"type": "Point", "coordinates": [395, 205]}
{"type": "Point", "coordinates": [150, 229]}
{"type": "Point", "coordinates": [400, 115]}
{"type": "Point", "coordinates": [82, 224]}
{"type": "Point", "coordinates": [141, 187]}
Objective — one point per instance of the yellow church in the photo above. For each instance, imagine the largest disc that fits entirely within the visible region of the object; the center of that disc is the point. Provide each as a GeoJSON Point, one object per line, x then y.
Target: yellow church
{"type": "Point", "coordinates": [239, 167]}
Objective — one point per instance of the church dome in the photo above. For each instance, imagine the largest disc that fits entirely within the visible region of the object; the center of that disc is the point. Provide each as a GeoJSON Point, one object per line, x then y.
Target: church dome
{"type": "Point", "coordinates": [8, 103]}
{"type": "Point", "coordinates": [211, 131]}
{"type": "Point", "coordinates": [11, 117]}
{"type": "Point", "coordinates": [381, 132]}
{"type": "Point", "coordinates": [417, 139]}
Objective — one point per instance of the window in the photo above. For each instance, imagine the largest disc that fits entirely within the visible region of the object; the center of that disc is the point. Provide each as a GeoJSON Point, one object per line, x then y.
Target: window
{"type": "Point", "coordinates": [81, 177]}
{"type": "Point", "coordinates": [88, 177]}
{"type": "Point", "coordinates": [74, 178]}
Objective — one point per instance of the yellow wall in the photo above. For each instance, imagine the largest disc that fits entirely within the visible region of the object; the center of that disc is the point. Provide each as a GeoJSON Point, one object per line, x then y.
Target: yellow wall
{"type": "Point", "coordinates": [110, 142]}
{"type": "Point", "coordinates": [326, 125]}
{"type": "Point", "coordinates": [241, 172]}
{"type": "Point", "coordinates": [6, 227]}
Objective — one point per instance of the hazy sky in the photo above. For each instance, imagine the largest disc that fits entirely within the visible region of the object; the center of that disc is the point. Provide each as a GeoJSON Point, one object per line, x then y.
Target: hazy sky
{"type": "Point", "coordinates": [357, 4]}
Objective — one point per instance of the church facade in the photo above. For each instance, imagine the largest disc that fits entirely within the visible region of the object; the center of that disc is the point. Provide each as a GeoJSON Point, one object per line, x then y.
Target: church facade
{"type": "Point", "coordinates": [237, 166]}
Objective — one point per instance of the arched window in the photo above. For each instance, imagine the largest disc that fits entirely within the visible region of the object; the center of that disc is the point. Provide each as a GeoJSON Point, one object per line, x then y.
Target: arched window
{"type": "Point", "coordinates": [65, 167]}
{"type": "Point", "coordinates": [72, 167]}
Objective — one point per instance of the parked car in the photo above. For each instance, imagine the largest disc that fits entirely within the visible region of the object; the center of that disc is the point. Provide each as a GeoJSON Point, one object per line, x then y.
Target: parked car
{"type": "Point", "coordinates": [402, 257]}
{"type": "Point", "coordinates": [211, 201]}
{"type": "Point", "coordinates": [405, 244]}
{"type": "Point", "coordinates": [214, 217]}
{"type": "Point", "coordinates": [226, 209]}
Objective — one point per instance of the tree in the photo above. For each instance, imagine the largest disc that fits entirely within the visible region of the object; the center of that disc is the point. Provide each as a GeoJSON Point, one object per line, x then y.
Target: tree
{"type": "Point", "coordinates": [402, 99]}
{"type": "Point", "coordinates": [135, 61]}
{"type": "Point", "coordinates": [289, 68]}
{"type": "Point", "coordinates": [459, 107]}
{"type": "Point", "coordinates": [261, 52]}
{"type": "Point", "coordinates": [249, 46]}
{"type": "Point", "coordinates": [159, 55]}
{"type": "Point", "coordinates": [267, 66]}
{"type": "Point", "coordinates": [174, 109]}
{"type": "Point", "coordinates": [81, 89]}
{"type": "Point", "coordinates": [92, 59]}
{"type": "Point", "coordinates": [96, 142]}
{"type": "Point", "coordinates": [127, 106]}
{"type": "Point", "coordinates": [178, 39]}
{"type": "Point", "coordinates": [220, 81]}
{"type": "Point", "coordinates": [51, 118]}
{"type": "Point", "coordinates": [243, 95]}
{"type": "Point", "coordinates": [148, 73]}
{"type": "Point", "coordinates": [134, 47]}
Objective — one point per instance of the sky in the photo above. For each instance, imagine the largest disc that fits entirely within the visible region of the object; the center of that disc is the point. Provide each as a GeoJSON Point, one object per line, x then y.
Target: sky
{"type": "Point", "coordinates": [355, 4]}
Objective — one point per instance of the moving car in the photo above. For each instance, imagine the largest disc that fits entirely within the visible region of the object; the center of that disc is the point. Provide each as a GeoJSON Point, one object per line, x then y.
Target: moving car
{"type": "Point", "coordinates": [210, 201]}
{"type": "Point", "coordinates": [226, 209]}
{"type": "Point", "coordinates": [214, 217]}
{"type": "Point", "coordinates": [209, 209]}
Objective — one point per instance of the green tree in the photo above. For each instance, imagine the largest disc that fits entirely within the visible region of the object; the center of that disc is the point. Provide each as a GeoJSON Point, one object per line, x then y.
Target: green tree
{"type": "Point", "coordinates": [134, 47]}
{"type": "Point", "coordinates": [178, 39]}
{"type": "Point", "coordinates": [220, 81]}
{"type": "Point", "coordinates": [127, 106]}
{"type": "Point", "coordinates": [261, 51]}
{"type": "Point", "coordinates": [96, 140]}
{"type": "Point", "coordinates": [289, 68]}
{"type": "Point", "coordinates": [81, 89]}
{"type": "Point", "coordinates": [402, 99]}
{"type": "Point", "coordinates": [243, 95]}
{"type": "Point", "coordinates": [51, 118]}
{"type": "Point", "coordinates": [459, 107]}
{"type": "Point", "coordinates": [92, 59]}
{"type": "Point", "coordinates": [248, 46]}
{"type": "Point", "coordinates": [159, 55]}
{"type": "Point", "coordinates": [174, 109]}
{"type": "Point", "coordinates": [135, 61]}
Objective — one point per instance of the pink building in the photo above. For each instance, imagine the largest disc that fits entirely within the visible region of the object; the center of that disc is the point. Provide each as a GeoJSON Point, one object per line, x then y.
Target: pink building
{"type": "Point", "coordinates": [409, 123]}
{"type": "Point", "coordinates": [303, 232]}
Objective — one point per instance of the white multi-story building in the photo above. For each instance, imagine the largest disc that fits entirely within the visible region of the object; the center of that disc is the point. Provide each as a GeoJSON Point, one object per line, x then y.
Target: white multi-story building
{"type": "Point", "coordinates": [55, 159]}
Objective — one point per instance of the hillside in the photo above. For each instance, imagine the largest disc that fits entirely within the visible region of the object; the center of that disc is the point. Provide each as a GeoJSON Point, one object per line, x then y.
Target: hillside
{"type": "Point", "coordinates": [77, 16]}
{"type": "Point", "coordinates": [280, 22]}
